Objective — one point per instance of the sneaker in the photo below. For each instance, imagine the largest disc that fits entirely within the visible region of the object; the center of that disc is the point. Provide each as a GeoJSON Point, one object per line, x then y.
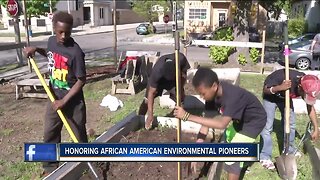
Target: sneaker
{"type": "Point", "coordinates": [298, 154]}
{"type": "Point", "coordinates": [268, 164]}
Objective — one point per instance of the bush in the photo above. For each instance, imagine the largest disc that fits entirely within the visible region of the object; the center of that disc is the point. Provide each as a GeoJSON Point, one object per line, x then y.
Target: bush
{"type": "Point", "coordinates": [220, 54]}
{"type": "Point", "coordinates": [297, 27]}
{"type": "Point", "coordinates": [242, 59]}
{"type": "Point", "coordinates": [254, 55]}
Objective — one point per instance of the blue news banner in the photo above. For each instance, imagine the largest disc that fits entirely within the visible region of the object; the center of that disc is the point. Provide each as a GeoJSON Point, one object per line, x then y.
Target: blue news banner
{"type": "Point", "coordinates": [142, 152]}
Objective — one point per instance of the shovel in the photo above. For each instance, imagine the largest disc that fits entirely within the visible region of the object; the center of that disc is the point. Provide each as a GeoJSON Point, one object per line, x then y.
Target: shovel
{"type": "Point", "coordinates": [286, 163]}
{"type": "Point", "coordinates": [61, 115]}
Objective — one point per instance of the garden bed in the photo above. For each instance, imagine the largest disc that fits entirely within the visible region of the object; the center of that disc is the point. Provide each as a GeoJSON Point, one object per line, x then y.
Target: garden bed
{"type": "Point", "coordinates": [151, 170]}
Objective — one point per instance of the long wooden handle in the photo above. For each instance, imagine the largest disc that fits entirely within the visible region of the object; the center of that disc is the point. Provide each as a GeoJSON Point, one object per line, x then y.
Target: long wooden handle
{"type": "Point", "coordinates": [46, 88]}
{"type": "Point", "coordinates": [287, 95]}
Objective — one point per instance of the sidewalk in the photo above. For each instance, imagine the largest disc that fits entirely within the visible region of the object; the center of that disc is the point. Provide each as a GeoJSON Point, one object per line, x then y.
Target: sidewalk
{"type": "Point", "coordinates": [83, 30]}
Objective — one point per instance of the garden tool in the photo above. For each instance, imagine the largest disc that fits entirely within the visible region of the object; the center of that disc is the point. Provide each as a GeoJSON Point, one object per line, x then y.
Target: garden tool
{"type": "Point", "coordinates": [61, 115]}
{"type": "Point", "coordinates": [306, 135]}
{"type": "Point", "coordinates": [286, 163]}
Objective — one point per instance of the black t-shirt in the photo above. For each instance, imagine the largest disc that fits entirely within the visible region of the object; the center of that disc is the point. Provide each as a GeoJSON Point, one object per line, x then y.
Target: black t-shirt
{"type": "Point", "coordinates": [158, 78]}
{"type": "Point", "coordinates": [276, 78]}
{"type": "Point", "coordinates": [246, 111]}
{"type": "Point", "coordinates": [66, 64]}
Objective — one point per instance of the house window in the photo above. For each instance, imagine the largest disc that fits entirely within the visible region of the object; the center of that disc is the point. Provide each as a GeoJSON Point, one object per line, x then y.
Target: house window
{"type": "Point", "coordinates": [101, 13]}
{"type": "Point", "coordinates": [41, 22]}
{"type": "Point", "coordinates": [197, 13]}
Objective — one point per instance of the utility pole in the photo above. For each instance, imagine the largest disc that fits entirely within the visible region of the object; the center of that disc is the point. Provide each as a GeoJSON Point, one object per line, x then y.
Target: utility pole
{"type": "Point", "coordinates": [50, 6]}
{"type": "Point", "coordinates": [115, 32]}
{"type": "Point", "coordinates": [26, 26]}
{"type": "Point", "coordinates": [26, 22]}
{"type": "Point", "coordinates": [68, 6]}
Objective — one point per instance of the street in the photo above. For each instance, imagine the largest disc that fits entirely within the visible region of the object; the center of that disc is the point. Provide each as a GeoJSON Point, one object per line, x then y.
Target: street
{"type": "Point", "coordinates": [100, 45]}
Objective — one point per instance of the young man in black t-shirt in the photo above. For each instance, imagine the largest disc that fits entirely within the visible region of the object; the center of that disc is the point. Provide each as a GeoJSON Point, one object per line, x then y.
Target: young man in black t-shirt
{"type": "Point", "coordinates": [236, 105]}
{"type": "Point", "coordinates": [163, 77]}
{"type": "Point", "coordinates": [306, 86]}
{"type": "Point", "coordinates": [67, 77]}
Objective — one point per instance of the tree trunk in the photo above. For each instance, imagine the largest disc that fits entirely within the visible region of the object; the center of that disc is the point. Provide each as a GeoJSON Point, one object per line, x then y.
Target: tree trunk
{"type": "Point", "coordinates": [240, 24]}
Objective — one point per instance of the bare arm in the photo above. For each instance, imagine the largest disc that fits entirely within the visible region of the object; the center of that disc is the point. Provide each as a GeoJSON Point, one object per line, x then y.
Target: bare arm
{"type": "Point", "coordinates": [282, 87]}
{"type": "Point", "coordinates": [30, 51]}
{"type": "Point", "coordinates": [312, 45]}
{"type": "Point", "coordinates": [218, 122]}
{"type": "Point", "coordinates": [151, 93]}
{"type": "Point", "coordinates": [76, 88]}
{"type": "Point", "coordinates": [313, 119]}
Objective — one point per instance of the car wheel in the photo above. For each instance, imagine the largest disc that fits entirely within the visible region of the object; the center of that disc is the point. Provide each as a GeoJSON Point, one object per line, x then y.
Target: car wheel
{"type": "Point", "coordinates": [303, 63]}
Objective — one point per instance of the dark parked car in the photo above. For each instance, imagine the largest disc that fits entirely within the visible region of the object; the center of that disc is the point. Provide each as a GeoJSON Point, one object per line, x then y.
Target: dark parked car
{"type": "Point", "coordinates": [305, 37]}
{"type": "Point", "coordinates": [300, 55]}
{"type": "Point", "coordinates": [142, 29]}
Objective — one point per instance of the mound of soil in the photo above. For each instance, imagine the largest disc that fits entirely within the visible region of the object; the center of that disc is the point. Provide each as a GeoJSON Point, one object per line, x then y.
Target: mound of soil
{"type": "Point", "coordinates": [153, 170]}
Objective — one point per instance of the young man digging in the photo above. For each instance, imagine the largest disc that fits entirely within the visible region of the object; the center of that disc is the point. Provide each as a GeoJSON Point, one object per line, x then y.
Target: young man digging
{"type": "Point", "coordinates": [236, 105]}
{"type": "Point", "coordinates": [275, 85]}
{"type": "Point", "coordinates": [163, 77]}
{"type": "Point", "coordinates": [67, 77]}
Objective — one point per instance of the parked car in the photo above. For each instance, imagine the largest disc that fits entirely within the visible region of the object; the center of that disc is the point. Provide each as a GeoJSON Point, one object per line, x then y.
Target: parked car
{"type": "Point", "coordinates": [254, 35]}
{"type": "Point", "coordinates": [300, 55]}
{"type": "Point", "coordinates": [304, 37]}
{"type": "Point", "coordinates": [142, 29]}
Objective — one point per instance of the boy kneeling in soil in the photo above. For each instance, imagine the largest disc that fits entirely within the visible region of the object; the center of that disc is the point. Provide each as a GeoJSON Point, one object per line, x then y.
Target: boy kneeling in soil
{"type": "Point", "coordinates": [235, 104]}
{"type": "Point", "coordinates": [67, 77]}
{"type": "Point", "coordinates": [163, 76]}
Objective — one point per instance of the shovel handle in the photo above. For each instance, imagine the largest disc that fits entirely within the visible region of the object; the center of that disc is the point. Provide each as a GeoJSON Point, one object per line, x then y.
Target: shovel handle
{"type": "Point", "coordinates": [287, 93]}
{"type": "Point", "coordinates": [46, 88]}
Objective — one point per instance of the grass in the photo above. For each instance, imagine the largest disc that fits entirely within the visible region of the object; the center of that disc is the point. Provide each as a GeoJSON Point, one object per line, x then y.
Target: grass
{"type": "Point", "coordinates": [6, 132]}
{"type": "Point", "coordinates": [9, 67]}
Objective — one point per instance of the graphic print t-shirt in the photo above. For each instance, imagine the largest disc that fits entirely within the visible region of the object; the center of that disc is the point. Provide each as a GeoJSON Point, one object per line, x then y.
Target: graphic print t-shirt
{"type": "Point", "coordinates": [65, 64]}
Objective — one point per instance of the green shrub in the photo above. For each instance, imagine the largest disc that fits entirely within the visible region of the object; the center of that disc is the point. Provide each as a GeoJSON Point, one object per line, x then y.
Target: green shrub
{"type": "Point", "coordinates": [297, 26]}
{"type": "Point", "coordinates": [242, 59]}
{"type": "Point", "coordinates": [254, 55]}
{"type": "Point", "coordinates": [220, 54]}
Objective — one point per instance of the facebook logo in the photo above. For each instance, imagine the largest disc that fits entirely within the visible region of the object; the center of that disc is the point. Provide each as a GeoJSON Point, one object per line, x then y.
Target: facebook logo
{"type": "Point", "coordinates": [31, 152]}
{"type": "Point", "coordinates": [40, 152]}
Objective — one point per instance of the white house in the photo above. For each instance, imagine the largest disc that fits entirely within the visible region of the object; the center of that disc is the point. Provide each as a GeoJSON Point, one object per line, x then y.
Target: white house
{"type": "Point", "coordinates": [74, 7]}
{"type": "Point", "coordinates": [92, 12]}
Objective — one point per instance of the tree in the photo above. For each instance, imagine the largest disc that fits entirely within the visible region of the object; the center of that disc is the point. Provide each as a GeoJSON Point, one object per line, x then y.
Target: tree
{"type": "Point", "coordinates": [275, 6]}
{"type": "Point", "coordinates": [240, 24]}
{"type": "Point", "coordinates": [146, 9]}
{"type": "Point", "coordinates": [35, 8]}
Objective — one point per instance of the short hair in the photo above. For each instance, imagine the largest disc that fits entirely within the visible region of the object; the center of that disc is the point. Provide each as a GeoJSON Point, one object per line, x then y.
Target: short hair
{"type": "Point", "coordinates": [204, 76]}
{"type": "Point", "coordinates": [63, 17]}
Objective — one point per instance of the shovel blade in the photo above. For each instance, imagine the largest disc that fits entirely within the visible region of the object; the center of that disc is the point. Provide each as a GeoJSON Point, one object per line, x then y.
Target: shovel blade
{"type": "Point", "coordinates": [291, 166]}
{"type": "Point", "coordinates": [281, 167]}
{"type": "Point", "coordinates": [287, 166]}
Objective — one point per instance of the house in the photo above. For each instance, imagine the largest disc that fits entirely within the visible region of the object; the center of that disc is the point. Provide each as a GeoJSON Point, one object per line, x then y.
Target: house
{"type": "Point", "coordinates": [91, 12]}
{"type": "Point", "coordinates": [208, 15]}
{"type": "Point", "coordinates": [43, 23]}
{"type": "Point", "coordinates": [310, 10]}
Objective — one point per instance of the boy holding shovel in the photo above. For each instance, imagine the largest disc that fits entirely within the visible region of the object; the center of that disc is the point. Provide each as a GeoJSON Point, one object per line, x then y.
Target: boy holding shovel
{"type": "Point", "coordinates": [275, 85]}
{"type": "Point", "coordinates": [163, 77]}
{"type": "Point", "coordinates": [67, 77]}
{"type": "Point", "coordinates": [236, 105]}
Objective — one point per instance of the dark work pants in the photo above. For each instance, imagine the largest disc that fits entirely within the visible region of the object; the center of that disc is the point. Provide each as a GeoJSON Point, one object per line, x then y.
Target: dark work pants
{"type": "Point", "coordinates": [75, 114]}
